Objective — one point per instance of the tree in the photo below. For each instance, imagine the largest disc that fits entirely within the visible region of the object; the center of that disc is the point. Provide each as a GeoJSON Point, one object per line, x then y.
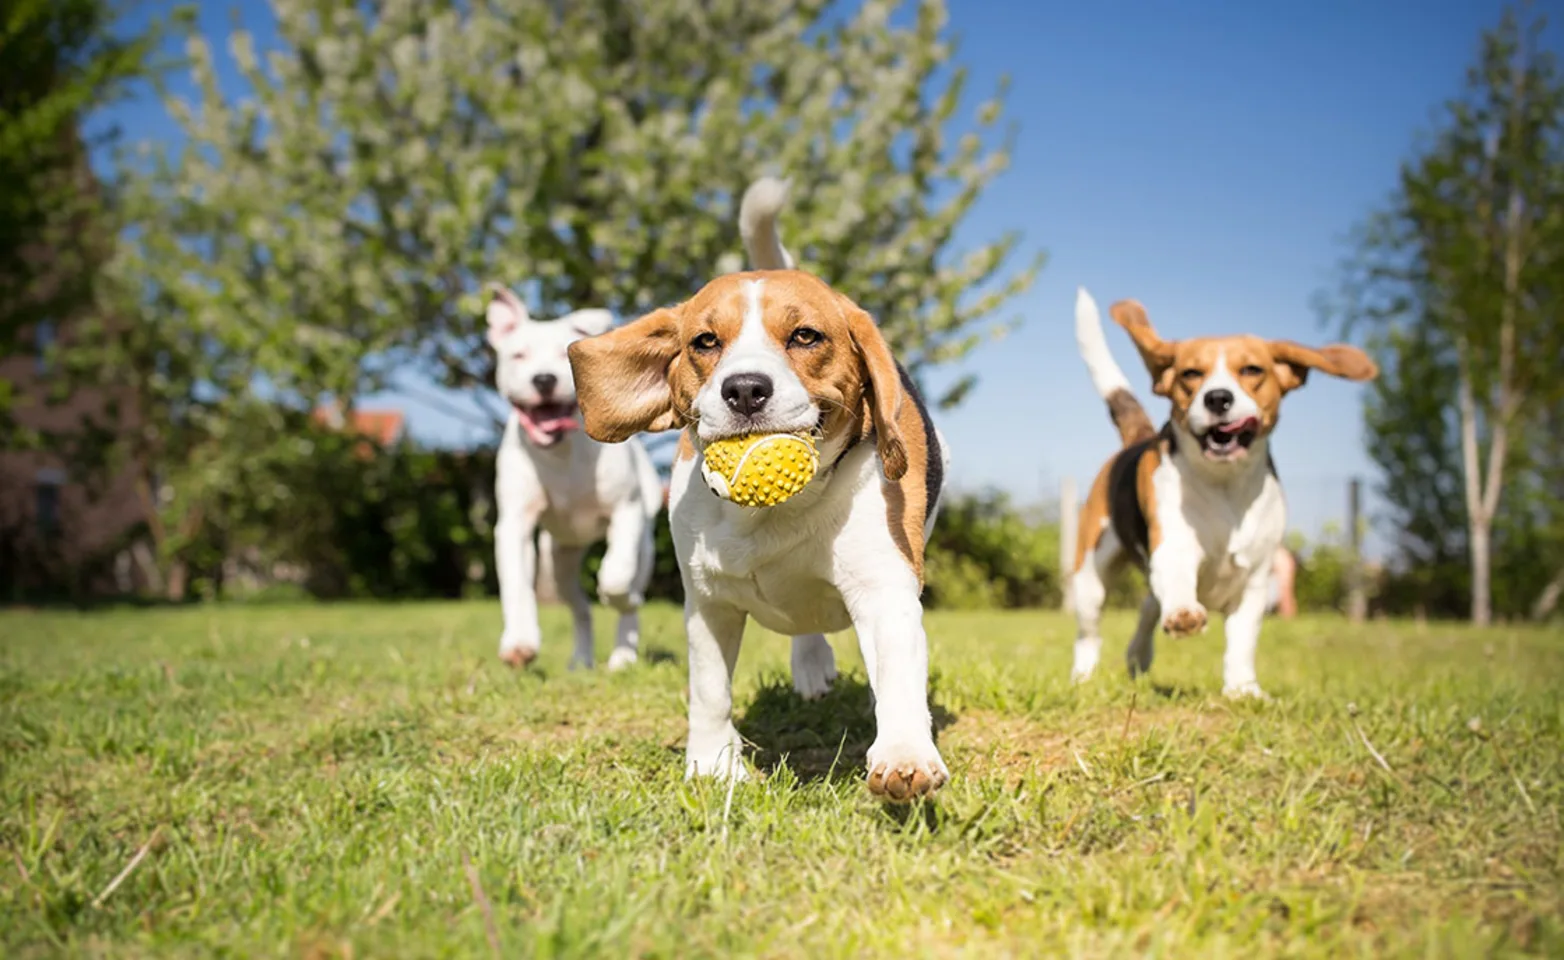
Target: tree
{"type": "Point", "coordinates": [1460, 273]}
{"type": "Point", "coordinates": [337, 222]}
{"type": "Point", "coordinates": [59, 60]}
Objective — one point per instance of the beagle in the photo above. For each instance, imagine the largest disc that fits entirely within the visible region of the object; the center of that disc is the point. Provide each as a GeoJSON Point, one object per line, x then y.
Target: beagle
{"type": "Point", "coordinates": [778, 350]}
{"type": "Point", "coordinates": [1196, 505]}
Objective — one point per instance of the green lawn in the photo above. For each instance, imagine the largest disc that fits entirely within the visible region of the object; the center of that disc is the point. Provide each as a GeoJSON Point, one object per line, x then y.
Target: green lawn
{"type": "Point", "coordinates": [316, 780]}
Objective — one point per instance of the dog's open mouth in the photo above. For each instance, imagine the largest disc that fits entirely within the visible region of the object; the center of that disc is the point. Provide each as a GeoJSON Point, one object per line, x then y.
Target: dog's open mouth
{"type": "Point", "coordinates": [546, 423]}
{"type": "Point", "coordinates": [1227, 441]}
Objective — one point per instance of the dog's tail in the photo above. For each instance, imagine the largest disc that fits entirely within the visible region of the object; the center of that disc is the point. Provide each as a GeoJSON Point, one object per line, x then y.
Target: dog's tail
{"type": "Point", "coordinates": [1127, 413]}
{"type": "Point", "coordinates": [758, 224]}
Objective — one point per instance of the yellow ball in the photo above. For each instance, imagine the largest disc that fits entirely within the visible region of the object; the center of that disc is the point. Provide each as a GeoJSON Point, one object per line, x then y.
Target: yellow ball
{"type": "Point", "coordinates": [760, 470]}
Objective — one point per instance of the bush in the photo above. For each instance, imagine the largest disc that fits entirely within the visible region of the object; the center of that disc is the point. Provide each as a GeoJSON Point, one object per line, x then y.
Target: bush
{"type": "Point", "coordinates": [987, 552]}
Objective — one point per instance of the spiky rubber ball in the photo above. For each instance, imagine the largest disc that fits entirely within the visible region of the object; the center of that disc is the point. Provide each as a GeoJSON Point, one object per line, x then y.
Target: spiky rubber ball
{"type": "Point", "coordinates": [760, 469]}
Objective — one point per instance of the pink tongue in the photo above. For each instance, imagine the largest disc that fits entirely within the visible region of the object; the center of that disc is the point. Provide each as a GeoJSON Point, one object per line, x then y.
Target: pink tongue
{"type": "Point", "coordinates": [547, 429]}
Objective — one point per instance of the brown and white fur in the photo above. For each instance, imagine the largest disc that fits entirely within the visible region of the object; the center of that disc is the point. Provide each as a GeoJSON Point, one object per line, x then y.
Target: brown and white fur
{"type": "Point", "coordinates": [1196, 505]}
{"type": "Point", "coordinates": [778, 350]}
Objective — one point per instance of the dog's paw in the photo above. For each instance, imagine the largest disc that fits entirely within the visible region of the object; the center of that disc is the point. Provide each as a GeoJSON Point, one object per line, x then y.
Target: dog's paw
{"type": "Point", "coordinates": [1185, 621]}
{"type": "Point", "coordinates": [1245, 691]}
{"type": "Point", "coordinates": [814, 667]}
{"type": "Point", "coordinates": [900, 772]}
{"type": "Point", "coordinates": [621, 657]}
{"type": "Point", "coordinates": [722, 758]}
{"type": "Point", "coordinates": [519, 657]}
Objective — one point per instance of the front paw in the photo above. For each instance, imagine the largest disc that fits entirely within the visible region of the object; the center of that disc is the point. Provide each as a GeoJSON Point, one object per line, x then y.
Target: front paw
{"type": "Point", "coordinates": [621, 657]}
{"type": "Point", "coordinates": [1185, 621]}
{"type": "Point", "coordinates": [721, 757]}
{"type": "Point", "coordinates": [1245, 691]}
{"type": "Point", "coordinates": [900, 772]}
{"type": "Point", "coordinates": [518, 650]}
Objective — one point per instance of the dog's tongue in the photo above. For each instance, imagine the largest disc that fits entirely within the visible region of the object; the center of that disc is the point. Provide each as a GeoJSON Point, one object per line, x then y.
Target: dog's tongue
{"type": "Point", "coordinates": [545, 424]}
{"type": "Point", "coordinates": [1233, 429]}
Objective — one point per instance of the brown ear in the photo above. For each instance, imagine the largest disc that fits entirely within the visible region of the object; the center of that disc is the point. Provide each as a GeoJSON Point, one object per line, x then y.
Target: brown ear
{"type": "Point", "coordinates": [885, 392]}
{"type": "Point", "coordinates": [622, 377]}
{"type": "Point", "coordinates": [1293, 362]}
{"type": "Point", "coordinates": [1155, 352]}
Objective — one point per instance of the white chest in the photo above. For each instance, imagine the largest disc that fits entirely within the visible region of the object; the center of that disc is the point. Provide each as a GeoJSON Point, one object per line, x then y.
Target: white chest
{"type": "Point", "coordinates": [777, 564]}
{"type": "Point", "coordinates": [1233, 527]}
{"type": "Point", "coordinates": [571, 490]}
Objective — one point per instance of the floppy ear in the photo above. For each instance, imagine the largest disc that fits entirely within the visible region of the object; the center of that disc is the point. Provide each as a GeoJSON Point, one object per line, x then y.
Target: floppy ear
{"type": "Point", "coordinates": [506, 313]}
{"type": "Point", "coordinates": [1293, 362]}
{"type": "Point", "coordinates": [885, 392]}
{"type": "Point", "coordinates": [622, 377]}
{"type": "Point", "coordinates": [1155, 352]}
{"type": "Point", "coordinates": [590, 323]}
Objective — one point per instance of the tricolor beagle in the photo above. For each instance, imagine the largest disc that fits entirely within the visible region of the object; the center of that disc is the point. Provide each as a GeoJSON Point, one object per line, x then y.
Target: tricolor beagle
{"type": "Point", "coordinates": [1196, 505]}
{"type": "Point", "coordinates": [778, 350]}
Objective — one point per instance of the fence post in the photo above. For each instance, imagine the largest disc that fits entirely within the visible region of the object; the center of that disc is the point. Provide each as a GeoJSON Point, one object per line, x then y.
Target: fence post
{"type": "Point", "coordinates": [1357, 602]}
{"type": "Point", "coordinates": [1069, 508]}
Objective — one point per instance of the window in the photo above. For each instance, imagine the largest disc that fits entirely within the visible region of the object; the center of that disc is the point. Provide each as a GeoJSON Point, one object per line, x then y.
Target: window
{"type": "Point", "coordinates": [46, 503]}
{"type": "Point", "coordinates": [48, 509]}
{"type": "Point", "coordinates": [44, 334]}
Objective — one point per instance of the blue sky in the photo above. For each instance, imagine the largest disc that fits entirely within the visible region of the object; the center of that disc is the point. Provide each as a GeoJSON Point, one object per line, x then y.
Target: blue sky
{"type": "Point", "coordinates": [1207, 158]}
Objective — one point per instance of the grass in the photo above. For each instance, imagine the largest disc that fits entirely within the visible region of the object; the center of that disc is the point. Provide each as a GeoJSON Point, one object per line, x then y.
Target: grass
{"type": "Point", "coordinates": [370, 781]}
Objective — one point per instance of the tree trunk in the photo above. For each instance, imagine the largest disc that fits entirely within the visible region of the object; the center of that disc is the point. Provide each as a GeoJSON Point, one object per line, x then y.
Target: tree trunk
{"type": "Point", "coordinates": [1548, 600]}
{"type": "Point", "coordinates": [1478, 521]}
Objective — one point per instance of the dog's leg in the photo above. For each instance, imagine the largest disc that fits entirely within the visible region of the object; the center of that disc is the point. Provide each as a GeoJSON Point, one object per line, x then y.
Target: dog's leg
{"type": "Point", "coordinates": [1090, 591]}
{"type": "Point", "coordinates": [567, 583]}
{"type": "Point", "coordinates": [903, 761]}
{"type": "Point", "coordinates": [814, 665]}
{"type": "Point", "coordinates": [515, 562]}
{"type": "Point", "coordinates": [627, 640]}
{"type": "Point", "coordinates": [715, 633]}
{"type": "Point", "coordinates": [1143, 644]}
{"type": "Point", "coordinates": [1243, 636]}
{"type": "Point", "coordinates": [1174, 578]}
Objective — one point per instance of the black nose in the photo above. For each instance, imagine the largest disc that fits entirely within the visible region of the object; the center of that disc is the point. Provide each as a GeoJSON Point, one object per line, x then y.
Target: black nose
{"type": "Point", "coordinates": [1219, 401]}
{"type": "Point", "coordinates": [545, 383]}
{"type": "Point", "coordinates": [746, 393]}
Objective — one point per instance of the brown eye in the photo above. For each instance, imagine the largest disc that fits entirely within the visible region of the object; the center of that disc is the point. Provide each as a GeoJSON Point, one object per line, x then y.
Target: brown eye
{"type": "Point", "coordinates": [1190, 375]}
{"type": "Point", "coordinates": [805, 337]}
{"type": "Point", "coordinates": [1250, 370]}
{"type": "Point", "coordinates": [706, 342]}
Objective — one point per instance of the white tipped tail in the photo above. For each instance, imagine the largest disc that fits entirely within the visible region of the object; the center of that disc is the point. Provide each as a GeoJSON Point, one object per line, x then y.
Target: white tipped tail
{"type": "Point", "coordinates": [1106, 375]}
{"type": "Point", "coordinates": [758, 224]}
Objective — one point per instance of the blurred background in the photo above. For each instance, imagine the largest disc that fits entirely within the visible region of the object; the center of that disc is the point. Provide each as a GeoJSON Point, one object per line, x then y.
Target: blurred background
{"type": "Point", "coordinates": [242, 248]}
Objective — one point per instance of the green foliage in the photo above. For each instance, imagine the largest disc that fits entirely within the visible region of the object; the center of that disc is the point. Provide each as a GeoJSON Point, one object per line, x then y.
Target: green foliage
{"type": "Point", "coordinates": [1456, 283]}
{"type": "Point", "coordinates": [986, 552]}
{"type": "Point", "coordinates": [395, 524]}
{"type": "Point", "coordinates": [314, 781]}
{"type": "Point", "coordinates": [336, 221]}
{"type": "Point", "coordinates": [59, 61]}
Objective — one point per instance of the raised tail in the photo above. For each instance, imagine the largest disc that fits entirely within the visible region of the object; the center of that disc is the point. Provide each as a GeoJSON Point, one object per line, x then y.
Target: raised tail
{"type": "Point", "coordinates": [1111, 383]}
{"type": "Point", "coordinates": [758, 224]}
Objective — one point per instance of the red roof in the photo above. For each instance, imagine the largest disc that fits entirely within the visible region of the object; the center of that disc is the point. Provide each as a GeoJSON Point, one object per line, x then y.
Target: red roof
{"type": "Point", "coordinates": [383, 426]}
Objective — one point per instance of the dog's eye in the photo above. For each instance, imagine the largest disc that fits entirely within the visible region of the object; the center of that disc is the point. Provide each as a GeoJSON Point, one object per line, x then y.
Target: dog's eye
{"type": "Point", "coordinates": [805, 337]}
{"type": "Point", "coordinates": [706, 342]}
{"type": "Point", "coordinates": [1190, 375]}
{"type": "Point", "coordinates": [1250, 370]}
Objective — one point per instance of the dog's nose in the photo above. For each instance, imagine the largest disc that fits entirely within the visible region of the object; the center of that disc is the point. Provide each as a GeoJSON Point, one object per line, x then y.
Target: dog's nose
{"type": "Point", "coordinates": [545, 383]}
{"type": "Point", "coordinates": [1219, 401]}
{"type": "Point", "coordinates": [746, 393]}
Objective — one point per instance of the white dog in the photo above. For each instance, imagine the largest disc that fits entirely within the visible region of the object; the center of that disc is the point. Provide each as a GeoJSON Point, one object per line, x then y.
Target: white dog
{"type": "Point", "coordinates": [551, 477]}
{"type": "Point", "coordinates": [778, 350]}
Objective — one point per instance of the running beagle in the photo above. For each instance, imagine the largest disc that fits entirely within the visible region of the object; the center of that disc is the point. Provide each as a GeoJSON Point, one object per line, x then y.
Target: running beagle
{"type": "Point", "coordinates": [778, 350]}
{"type": "Point", "coordinates": [1196, 505]}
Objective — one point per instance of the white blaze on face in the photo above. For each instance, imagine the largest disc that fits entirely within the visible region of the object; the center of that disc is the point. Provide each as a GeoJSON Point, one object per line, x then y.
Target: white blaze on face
{"type": "Point", "coordinates": [1220, 377]}
{"type": "Point", "coordinates": [754, 351]}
